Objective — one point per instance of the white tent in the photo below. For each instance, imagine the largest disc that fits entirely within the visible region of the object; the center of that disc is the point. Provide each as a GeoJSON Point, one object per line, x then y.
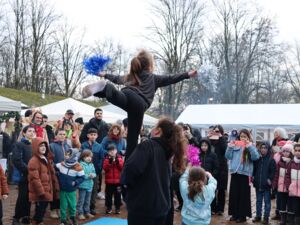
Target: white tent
{"type": "Point", "coordinates": [255, 116]}
{"type": "Point", "coordinates": [9, 105]}
{"type": "Point", "coordinates": [148, 120]}
{"type": "Point", "coordinates": [57, 110]}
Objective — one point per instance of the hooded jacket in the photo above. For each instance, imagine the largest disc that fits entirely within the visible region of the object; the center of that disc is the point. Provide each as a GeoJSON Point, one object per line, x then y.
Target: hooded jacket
{"type": "Point", "coordinates": [264, 170]}
{"type": "Point", "coordinates": [71, 174]}
{"type": "Point", "coordinates": [147, 174]}
{"type": "Point", "coordinates": [22, 153]}
{"type": "Point", "coordinates": [43, 184]}
{"type": "Point", "coordinates": [197, 212]}
{"type": "Point", "coordinates": [209, 159]}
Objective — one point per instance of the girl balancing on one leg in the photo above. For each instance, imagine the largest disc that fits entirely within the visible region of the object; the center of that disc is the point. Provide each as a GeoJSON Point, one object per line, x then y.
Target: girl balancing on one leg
{"type": "Point", "coordinates": [137, 95]}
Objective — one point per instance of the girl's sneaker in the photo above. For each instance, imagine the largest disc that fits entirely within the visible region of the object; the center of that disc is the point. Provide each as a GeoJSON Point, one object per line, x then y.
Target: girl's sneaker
{"type": "Point", "coordinates": [88, 215]}
{"type": "Point", "coordinates": [93, 88]}
{"type": "Point", "coordinates": [117, 211]}
{"type": "Point", "coordinates": [81, 217]}
{"type": "Point", "coordinates": [53, 214]}
{"type": "Point", "coordinates": [73, 221]}
{"type": "Point", "coordinates": [63, 223]}
{"type": "Point", "coordinates": [108, 211]}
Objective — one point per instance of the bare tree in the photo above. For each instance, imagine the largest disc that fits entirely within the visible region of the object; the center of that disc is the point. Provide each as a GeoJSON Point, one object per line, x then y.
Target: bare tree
{"type": "Point", "coordinates": [176, 31]}
{"type": "Point", "coordinates": [70, 53]}
{"type": "Point", "coordinates": [292, 69]}
{"type": "Point", "coordinates": [237, 49]}
{"type": "Point", "coordinates": [42, 17]}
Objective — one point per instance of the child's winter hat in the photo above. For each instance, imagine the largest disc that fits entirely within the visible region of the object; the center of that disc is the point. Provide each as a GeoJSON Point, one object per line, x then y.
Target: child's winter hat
{"type": "Point", "coordinates": [73, 152]}
{"type": "Point", "coordinates": [288, 147]}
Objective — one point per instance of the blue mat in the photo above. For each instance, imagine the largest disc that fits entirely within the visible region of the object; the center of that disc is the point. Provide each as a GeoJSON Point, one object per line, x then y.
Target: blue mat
{"type": "Point", "coordinates": [108, 221]}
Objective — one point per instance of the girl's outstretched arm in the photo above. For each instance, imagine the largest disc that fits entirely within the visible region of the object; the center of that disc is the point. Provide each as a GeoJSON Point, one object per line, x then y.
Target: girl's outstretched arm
{"type": "Point", "coordinates": [116, 79]}
{"type": "Point", "coordinates": [165, 80]}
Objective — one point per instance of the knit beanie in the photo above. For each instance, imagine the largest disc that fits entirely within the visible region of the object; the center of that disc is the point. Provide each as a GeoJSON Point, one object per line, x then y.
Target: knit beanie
{"type": "Point", "coordinates": [73, 159]}
{"type": "Point", "coordinates": [288, 147]}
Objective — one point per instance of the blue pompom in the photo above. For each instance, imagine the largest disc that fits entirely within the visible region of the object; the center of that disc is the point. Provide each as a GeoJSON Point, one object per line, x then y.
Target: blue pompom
{"type": "Point", "coordinates": [95, 64]}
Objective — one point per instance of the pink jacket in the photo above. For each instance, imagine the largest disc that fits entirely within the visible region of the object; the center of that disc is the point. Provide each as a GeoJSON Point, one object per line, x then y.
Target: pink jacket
{"type": "Point", "coordinates": [277, 157]}
{"type": "Point", "coordinates": [293, 178]}
{"type": "Point", "coordinates": [279, 181]}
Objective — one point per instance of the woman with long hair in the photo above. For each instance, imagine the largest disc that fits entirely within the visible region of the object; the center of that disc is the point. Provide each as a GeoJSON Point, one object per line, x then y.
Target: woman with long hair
{"type": "Point", "coordinates": [147, 173]}
{"type": "Point", "coordinates": [241, 154]}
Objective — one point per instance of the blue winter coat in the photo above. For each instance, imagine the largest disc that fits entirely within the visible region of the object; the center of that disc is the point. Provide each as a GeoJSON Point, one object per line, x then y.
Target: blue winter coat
{"type": "Point", "coordinates": [264, 171]}
{"type": "Point", "coordinates": [120, 145]}
{"type": "Point", "coordinates": [88, 169]}
{"type": "Point", "coordinates": [98, 154]}
{"type": "Point", "coordinates": [197, 212]}
{"type": "Point", "coordinates": [58, 149]}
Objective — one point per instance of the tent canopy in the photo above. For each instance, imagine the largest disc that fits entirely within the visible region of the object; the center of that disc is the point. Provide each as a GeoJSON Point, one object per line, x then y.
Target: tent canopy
{"type": "Point", "coordinates": [57, 110]}
{"type": "Point", "coordinates": [263, 116]}
{"type": "Point", "coordinates": [148, 120]}
{"type": "Point", "coordinates": [9, 105]}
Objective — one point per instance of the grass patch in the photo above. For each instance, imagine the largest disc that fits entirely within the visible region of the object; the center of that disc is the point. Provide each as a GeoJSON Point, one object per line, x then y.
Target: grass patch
{"type": "Point", "coordinates": [34, 99]}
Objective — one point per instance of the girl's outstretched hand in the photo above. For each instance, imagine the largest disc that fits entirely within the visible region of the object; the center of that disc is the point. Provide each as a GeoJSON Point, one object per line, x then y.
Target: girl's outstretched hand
{"type": "Point", "coordinates": [193, 73]}
{"type": "Point", "coordinates": [101, 74]}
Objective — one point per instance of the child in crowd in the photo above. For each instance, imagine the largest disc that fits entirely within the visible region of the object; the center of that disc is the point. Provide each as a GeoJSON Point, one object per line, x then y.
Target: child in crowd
{"type": "Point", "coordinates": [3, 191]}
{"type": "Point", "coordinates": [86, 187]}
{"type": "Point", "coordinates": [21, 155]}
{"type": "Point", "coordinates": [241, 154]}
{"type": "Point", "coordinates": [113, 165]}
{"type": "Point", "coordinates": [137, 95]}
{"type": "Point", "coordinates": [58, 148]}
{"type": "Point", "coordinates": [280, 182]}
{"type": "Point", "coordinates": [293, 182]}
{"type": "Point", "coordinates": [98, 157]}
{"type": "Point", "coordinates": [197, 188]}
{"type": "Point", "coordinates": [209, 162]}
{"type": "Point", "coordinates": [263, 175]}
{"type": "Point", "coordinates": [71, 175]}
{"type": "Point", "coordinates": [43, 183]}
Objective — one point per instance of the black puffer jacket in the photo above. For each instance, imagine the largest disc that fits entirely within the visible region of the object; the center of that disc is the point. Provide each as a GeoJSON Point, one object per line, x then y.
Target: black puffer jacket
{"type": "Point", "coordinates": [219, 147]}
{"type": "Point", "coordinates": [264, 170]}
{"type": "Point", "coordinates": [101, 127]}
{"type": "Point", "coordinates": [209, 160]}
{"type": "Point", "coordinates": [22, 153]}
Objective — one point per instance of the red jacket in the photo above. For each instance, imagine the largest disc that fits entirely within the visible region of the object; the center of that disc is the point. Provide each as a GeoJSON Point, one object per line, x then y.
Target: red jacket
{"type": "Point", "coordinates": [113, 169]}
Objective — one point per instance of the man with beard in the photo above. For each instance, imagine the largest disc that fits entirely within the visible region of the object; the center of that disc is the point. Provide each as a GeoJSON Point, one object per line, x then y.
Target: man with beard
{"type": "Point", "coordinates": [97, 123]}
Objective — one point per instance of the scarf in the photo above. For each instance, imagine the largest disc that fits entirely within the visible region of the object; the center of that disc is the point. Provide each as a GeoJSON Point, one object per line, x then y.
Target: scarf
{"type": "Point", "coordinates": [286, 160]}
{"type": "Point", "coordinates": [38, 129]}
{"type": "Point", "coordinates": [25, 140]}
{"type": "Point", "coordinates": [296, 160]}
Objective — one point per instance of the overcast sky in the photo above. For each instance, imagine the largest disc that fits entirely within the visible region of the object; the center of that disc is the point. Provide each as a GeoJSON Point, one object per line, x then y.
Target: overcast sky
{"type": "Point", "coordinates": [124, 20]}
